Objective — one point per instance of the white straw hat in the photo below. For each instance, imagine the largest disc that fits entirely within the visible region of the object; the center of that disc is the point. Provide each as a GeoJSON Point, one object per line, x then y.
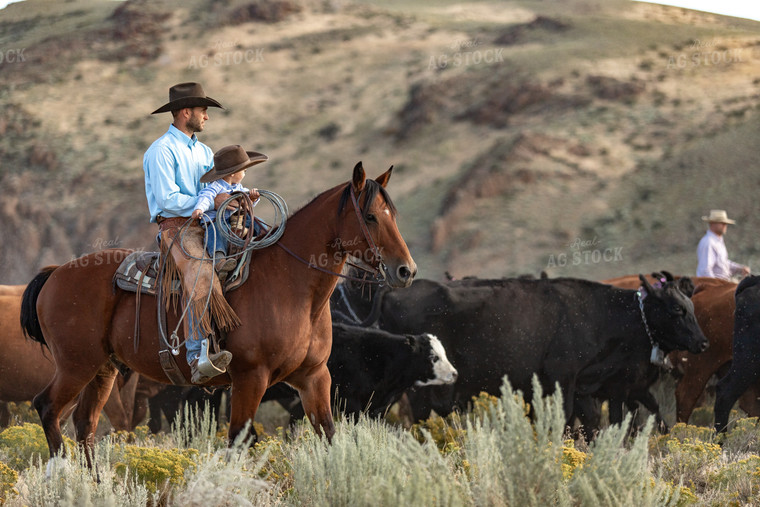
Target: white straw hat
{"type": "Point", "coordinates": [718, 215]}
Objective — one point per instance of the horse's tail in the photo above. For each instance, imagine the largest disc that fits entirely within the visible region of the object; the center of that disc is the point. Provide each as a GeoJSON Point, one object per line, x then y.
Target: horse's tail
{"type": "Point", "coordinates": [29, 321]}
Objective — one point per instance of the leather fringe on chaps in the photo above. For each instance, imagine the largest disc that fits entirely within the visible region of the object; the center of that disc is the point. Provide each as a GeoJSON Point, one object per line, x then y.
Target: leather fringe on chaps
{"type": "Point", "coordinates": [194, 274]}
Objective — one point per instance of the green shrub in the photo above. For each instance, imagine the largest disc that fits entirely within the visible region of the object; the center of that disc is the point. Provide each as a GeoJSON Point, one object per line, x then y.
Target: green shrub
{"type": "Point", "coordinates": [155, 468]}
{"type": "Point", "coordinates": [196, 429]}
{"type": "Point", "coordinates": [369, 463]}
{"type": "Point", "coordinates": [680, 432]}
{"type": "Point", "coordinates": [22, 412]}
{"type": "Point", "coordinates": [20, 444]}
{"type": "Point", "coordinates": [229, 477]}
{"type": "Point", "coordinates": [572, 458]}
{"type": "Point", "coordinates": [740, 478]}
{"type": "Point", "coordinates": [8, 478]}
{"type": "Point", "coordinates": [689, 461]}
{"type": "Point", "coordinates": [743, 437]}
{"type": "Point", "coordinates": [446, 433]}
{"type": "Point", "coordinates": [67, 482]}
{"type": "Point", "coordinates": [515, 461]}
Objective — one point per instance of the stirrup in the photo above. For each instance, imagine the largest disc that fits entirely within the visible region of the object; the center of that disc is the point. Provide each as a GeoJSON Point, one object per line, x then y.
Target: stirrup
{"type": "Point", "coordinates": [205, 366]}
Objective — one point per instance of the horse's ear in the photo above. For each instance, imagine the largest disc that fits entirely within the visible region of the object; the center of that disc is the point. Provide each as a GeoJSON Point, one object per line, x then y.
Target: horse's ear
{"type": "Point", "coordinates": [359, 177]}
{"type": "Point", "coordinates": [383, 178]}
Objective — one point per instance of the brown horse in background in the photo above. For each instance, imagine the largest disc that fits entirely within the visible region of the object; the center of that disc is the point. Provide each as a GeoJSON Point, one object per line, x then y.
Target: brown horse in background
{"type": "Point", "coordinates": [12, 290]}
{"type": "Point", "coordinates": [26, 368]}
{"type": "Point", "coordinates": [286, 331]}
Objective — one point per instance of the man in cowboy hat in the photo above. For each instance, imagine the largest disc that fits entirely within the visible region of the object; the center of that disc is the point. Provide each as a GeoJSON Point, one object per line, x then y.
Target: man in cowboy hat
{"type": "Point", "coordinates": [712, 254]}
{"type": "Point", "coordinates": [174, 165]}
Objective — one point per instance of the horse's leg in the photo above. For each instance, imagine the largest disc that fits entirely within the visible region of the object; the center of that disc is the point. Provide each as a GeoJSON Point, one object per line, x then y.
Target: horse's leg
{"type": "Point", "coordinates": [120, 404]}
{"type": "Point", "coordinates": [248, 388]}
{"type": "Point", "coordinates": [91, 403]}
{"type": "Point", "coordinates": [52, 401]}
{"type": "Point", "coordinates": [315, 398]}
{"type": "Point", "coordinates": [690, 387]}
{"type": "Point", "coordinates": [127, 397]}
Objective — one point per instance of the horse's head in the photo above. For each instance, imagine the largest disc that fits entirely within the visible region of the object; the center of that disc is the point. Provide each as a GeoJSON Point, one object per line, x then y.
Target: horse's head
{"type": "Point", "coordinates": [670, 317]}
{"type": "Point", "coordinates": [368, 230]}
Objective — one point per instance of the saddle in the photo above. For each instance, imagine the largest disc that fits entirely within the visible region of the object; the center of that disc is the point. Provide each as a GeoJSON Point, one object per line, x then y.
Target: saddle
{"type": "Point", "coordinates": [140, 270]}
{"type": "Point", "coordinates": [140, 273]}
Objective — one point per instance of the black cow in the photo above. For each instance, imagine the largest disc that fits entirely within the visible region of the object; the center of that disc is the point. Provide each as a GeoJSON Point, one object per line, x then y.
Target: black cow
{"type": "Point", "coordinates": [630, 387]}
{"type": "Point", "coordinates": [568, 331]}
{"type": "Point", "coordinates": [745, 365]}
{"type": "Point", "coordinates": [371, 369]}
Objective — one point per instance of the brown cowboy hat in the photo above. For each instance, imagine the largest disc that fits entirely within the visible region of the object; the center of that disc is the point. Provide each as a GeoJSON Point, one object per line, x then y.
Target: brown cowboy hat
{"type": "Point", "coordinates": [230, 160]}
{"type": "Point", "coordinates": [187, 95]}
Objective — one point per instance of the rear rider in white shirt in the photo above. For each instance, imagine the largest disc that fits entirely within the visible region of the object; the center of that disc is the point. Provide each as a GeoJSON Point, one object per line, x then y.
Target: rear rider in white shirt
{"type": "Point", "coordinates": [712, 255]}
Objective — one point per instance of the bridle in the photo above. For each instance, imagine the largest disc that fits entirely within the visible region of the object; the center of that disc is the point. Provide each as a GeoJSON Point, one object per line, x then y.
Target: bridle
{"type": "Point", "coordinates": [378, 273]}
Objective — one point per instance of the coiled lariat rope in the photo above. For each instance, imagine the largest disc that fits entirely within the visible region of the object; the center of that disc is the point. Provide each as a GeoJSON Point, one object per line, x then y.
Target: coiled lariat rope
{"type": "Point", "coordinates": [272, 233]}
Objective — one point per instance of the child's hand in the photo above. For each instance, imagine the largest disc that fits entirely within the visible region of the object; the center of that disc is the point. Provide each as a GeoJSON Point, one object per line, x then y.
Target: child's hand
{"type": "Point", "coordinates": [197, 213]}
{"type": "Point", "coordinates": [254, 194]}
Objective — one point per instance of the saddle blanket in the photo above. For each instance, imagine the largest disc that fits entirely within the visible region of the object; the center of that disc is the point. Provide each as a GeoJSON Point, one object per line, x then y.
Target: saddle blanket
{"type": "Point", "coordinates": [141, 268]}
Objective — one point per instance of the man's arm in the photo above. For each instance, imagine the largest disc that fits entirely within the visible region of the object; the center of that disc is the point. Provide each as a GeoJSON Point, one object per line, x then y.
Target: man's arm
{"type": "Point", "coordinates": [738, 269]}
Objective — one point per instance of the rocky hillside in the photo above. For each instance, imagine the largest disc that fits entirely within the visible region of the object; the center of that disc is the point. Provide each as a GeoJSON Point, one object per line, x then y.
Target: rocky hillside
{"type": "Point", "coordinates": [581, 137]}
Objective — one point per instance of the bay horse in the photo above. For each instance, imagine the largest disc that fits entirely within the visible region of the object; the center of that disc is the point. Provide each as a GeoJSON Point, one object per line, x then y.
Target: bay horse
{"type": "Point", "coordinates": [26, 368]}
{"type": "Point", "coordinates": [12, 290]}
{"type": "Point", "coordinates": [284, 308]}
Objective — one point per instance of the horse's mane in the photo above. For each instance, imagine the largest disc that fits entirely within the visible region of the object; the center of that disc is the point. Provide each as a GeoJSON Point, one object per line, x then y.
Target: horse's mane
{"type": "Point", "coordinates": [371, 189]}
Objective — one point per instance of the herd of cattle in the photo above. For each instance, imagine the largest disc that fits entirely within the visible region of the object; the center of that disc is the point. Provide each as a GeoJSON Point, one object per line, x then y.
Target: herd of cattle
{"type": "Point", "coordinates": [438, 344]}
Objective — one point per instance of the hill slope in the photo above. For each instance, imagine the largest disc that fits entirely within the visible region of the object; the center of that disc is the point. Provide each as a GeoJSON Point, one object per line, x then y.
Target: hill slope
{"type": "Point", "coordinates": [523, 133]}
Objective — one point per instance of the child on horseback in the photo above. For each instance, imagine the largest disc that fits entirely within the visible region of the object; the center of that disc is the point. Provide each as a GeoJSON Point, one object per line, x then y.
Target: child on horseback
{"type": "Point", "coordinates": [230, 164]}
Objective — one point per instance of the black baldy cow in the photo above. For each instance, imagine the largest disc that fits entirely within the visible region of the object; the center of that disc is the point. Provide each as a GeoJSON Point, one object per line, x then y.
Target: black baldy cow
{"type": "Point", "coordinates": [371, 369]}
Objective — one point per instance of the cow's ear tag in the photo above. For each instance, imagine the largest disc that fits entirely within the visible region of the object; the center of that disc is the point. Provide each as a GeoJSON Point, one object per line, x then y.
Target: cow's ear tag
{"type": "Point", "coordinates": [657, 357]}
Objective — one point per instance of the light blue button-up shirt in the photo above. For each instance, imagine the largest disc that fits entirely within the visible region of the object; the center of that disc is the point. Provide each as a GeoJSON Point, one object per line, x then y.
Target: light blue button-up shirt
{"type": "Point", "coordinates": [173, 167]}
